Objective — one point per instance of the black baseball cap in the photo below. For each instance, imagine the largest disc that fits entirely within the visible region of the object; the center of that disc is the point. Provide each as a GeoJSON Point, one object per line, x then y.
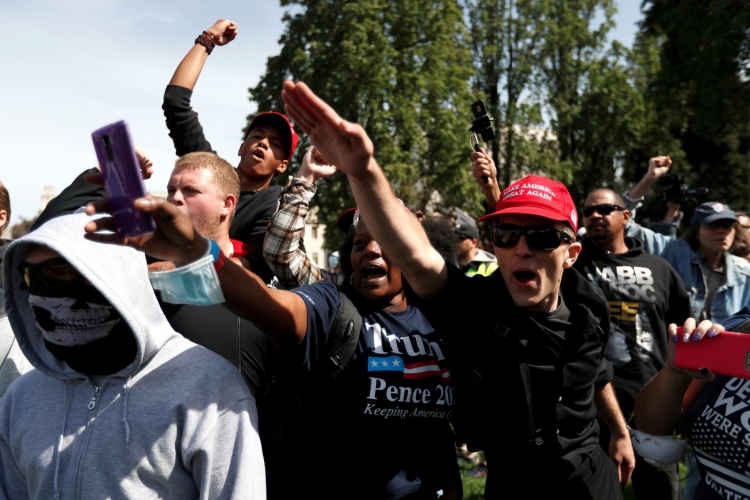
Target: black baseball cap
{"type": "Point", "coordinates": [467, 230]}
{"type": "Point", "coordinates": [706, 213]}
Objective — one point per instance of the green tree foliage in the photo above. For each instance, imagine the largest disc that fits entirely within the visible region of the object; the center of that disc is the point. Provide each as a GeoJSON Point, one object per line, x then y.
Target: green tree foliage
{"type": "Point", "coordinates": [569, 103]}
{"type": "Point", "coordinates": [554, 55]}
{"type": "Point", "coordinates": [700, 89]}
{"type": "Point", "coordinates": [588, 91]}
{"type": "Point", "coordinates": [401, 70]}
{"type": "Point", "coordinates": [504, 37]}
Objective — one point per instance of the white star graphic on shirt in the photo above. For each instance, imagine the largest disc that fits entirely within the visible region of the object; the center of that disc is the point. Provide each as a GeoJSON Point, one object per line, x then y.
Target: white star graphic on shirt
{"type": "Point", "coordinates": [374, 363]}
{"type": "Point", "coordinates": [385, 364]}
{"type": "Point", "coordinates": [396, 362]}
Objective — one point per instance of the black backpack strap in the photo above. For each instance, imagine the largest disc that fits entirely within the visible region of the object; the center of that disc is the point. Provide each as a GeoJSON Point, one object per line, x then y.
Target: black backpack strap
{"type": "Point", "coordinates": [344, 334]}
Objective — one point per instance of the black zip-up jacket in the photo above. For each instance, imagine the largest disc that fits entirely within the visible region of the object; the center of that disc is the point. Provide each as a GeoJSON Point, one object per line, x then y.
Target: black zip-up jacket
{"type": "Point", "coordinates": [254, 208]}
{"type": "Point", "coordinates": [490, 339]}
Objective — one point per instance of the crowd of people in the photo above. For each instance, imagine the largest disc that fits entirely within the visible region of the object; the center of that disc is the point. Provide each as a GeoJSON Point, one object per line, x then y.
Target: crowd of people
{"type": "Point", "coordinates": [214, 359]}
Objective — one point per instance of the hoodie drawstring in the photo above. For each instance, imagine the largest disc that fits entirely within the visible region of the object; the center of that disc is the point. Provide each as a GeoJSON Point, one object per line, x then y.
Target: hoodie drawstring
{"type": "Point", "coordinates": [125, 416]}
{"type": "Point", "coordinates": [58, 493]}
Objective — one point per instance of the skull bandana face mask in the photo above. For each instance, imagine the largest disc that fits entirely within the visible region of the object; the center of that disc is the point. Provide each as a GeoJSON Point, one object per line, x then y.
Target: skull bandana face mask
{"type": "Point", "coordinates": [68, 321]}
{"type": "Point", "coordinates": [67, 311]}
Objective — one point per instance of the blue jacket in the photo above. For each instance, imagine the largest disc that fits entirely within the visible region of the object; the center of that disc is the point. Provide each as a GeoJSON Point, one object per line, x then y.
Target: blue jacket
{"type": "Point", "coordinates": [732, 295]}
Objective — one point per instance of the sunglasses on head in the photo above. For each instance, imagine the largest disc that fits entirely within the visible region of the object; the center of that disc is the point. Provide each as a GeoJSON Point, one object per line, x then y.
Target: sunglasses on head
{"type": "Point", "coordinates": [604, 209]}
{"type": "Point", "coordinates": [537, 237]}
{"type": "Point", "coordinates": [53, 273]}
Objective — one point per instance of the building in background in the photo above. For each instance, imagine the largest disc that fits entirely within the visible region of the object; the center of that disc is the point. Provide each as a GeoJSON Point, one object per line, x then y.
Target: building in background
{"type": "Point", "coordinates": [314, 239]}
{"type": "Point", "coordinates": [47, 195]}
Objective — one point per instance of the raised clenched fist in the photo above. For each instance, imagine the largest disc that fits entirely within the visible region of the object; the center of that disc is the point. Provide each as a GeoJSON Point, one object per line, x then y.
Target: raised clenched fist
{"type": "Point", "coordinates": [223, 31]}
{"type": "Point", "coordinates": [658, 166]}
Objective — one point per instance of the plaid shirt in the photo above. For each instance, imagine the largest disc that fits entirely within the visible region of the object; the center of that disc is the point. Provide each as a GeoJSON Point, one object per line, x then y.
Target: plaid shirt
{"type": "Point", "coordinates": [281, 250]}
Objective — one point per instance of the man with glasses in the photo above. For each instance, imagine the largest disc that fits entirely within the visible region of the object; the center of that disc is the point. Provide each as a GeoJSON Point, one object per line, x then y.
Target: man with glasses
{"type": "Point", "coordinates": [644, 294]}
{"type": "Point", "coordinates": [120, 405]}
{"type": "Point", "coordinates": [525, 371]}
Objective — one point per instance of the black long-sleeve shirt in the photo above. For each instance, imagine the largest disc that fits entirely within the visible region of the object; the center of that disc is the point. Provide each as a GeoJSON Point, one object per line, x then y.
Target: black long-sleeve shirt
{"type": "Point", "coordinates": [254, 208]}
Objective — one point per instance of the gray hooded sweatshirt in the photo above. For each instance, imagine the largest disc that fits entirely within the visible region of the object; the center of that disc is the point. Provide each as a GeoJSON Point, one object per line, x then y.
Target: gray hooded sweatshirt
{"type": "Point", "coordinates": [176, 423]}
{"type": "Point", "coordinates": [13, 363]}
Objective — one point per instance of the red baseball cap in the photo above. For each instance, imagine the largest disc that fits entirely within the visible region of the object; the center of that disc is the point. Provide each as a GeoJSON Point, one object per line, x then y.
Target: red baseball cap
{"type": "Point", "coordinates": [535, 195]}
{"type": "Point", "coordinates": [281, 123]}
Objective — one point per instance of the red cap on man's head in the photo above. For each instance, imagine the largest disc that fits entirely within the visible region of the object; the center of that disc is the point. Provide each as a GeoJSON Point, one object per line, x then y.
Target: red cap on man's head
{"type": "Point", "coordinates": [279, 122]}
{"type": "Point", "coordinates": [535, 195]}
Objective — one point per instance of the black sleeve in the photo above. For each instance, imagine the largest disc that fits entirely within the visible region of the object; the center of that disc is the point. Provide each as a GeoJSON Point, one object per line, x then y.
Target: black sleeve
{"type": "Point", "coordinates": [250, 224]}
{"type": "Point", "coordinates": [184, 128]}
{"type": "Point", "coordinates": [679, 302]}
{"type": "Point", "coordinates": [605, 375]}
{"type": "Point", "coordinates": [73, 197]}
{"type": "Point", "coordinates": [460, 294]}
{"type": "Point", "coordinates": [606, 369]}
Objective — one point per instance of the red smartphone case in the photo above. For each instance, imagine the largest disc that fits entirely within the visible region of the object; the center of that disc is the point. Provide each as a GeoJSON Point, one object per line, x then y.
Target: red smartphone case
{"type": "Point", "coordinates": [726, 354]}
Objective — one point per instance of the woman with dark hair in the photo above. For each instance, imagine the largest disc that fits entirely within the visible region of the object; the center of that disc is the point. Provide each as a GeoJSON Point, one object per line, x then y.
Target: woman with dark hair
{"type": "Point", "coordinates": [717, 281]}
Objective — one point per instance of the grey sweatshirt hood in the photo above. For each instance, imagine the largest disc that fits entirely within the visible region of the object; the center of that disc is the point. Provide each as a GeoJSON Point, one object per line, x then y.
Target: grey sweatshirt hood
{"type": "Point", "coordinates": [118, 272]}
{"type": "Point", "coordinates": [177, 423]}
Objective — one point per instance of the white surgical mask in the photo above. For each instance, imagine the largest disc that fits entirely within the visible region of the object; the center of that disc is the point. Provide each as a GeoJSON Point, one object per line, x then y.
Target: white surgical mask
{"type": "Point", "coordinates": [658, 450]}
{"type": "Point", "coordinates": [333, 260]}
{"type": "Point", "coordinates": [71, 322]}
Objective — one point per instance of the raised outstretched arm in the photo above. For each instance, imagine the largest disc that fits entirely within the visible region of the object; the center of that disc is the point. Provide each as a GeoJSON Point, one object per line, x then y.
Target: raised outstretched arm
{"type": "Point", "coordinates": [347, 145]}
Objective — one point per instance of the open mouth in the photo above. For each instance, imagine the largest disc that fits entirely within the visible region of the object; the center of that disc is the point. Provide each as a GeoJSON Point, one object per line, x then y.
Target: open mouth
{"type": "Point", "coordinates": [524, 277]}
{"type": "Point", "coordinates": [373, 273]}
{"type": "Point", "coordinates": [259, 154]}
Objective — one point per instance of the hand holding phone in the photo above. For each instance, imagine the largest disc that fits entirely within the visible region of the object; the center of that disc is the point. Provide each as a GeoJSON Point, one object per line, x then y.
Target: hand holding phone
{"type": "Point", "coordinates": [725, 354]}
{"type": "Point", "coordinates": [123, 180]}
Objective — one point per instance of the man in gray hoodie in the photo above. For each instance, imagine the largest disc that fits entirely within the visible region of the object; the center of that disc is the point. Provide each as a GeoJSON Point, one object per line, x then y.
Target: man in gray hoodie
{"type": "Point", "coordinates": [120, 405]}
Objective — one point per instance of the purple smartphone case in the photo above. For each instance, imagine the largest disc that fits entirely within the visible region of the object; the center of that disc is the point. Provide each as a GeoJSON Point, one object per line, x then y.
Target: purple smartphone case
{"type": "Point", "coordinates": [122, 178]}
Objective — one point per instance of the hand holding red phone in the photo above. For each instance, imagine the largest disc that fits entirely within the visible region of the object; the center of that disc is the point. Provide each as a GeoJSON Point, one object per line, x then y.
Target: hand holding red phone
{"type": "Point", "coordinates": [696, 351]}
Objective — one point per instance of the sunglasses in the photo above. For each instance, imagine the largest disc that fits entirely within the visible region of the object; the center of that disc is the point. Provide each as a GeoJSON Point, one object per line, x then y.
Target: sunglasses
{"type": "Point", "coordinates": [537, 237]}
{"type": "Point", "coordinates": [53, 273]}
{"type": "Point", "coordinates": [604, 209]}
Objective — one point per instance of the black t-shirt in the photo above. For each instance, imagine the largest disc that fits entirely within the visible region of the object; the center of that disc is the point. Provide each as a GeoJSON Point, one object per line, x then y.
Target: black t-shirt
{"type": "Point", "coordinates": [557, 321]}
{"type": "Point", "coordinates": [644, 294]}
{"type": "Point", "coordinates": [398, 382]}
{"type": "Point", "coordinates": [484, 329]}
{"type": "Point", "coordinates": [254, 210]}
